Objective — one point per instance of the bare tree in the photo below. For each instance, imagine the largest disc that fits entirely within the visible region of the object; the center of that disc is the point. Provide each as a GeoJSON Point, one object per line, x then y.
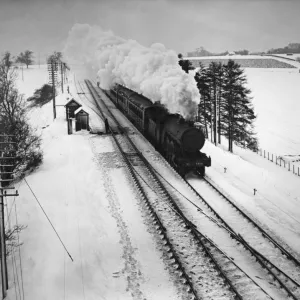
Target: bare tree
{"type": "Point", "coordinates": [13, 114]}
{"type": "Point", "coordinates": [25, 58]}
{"type": "Point", "coordinates": [55, 57]}
{"type": "Point", "coordinates": [12, 239]}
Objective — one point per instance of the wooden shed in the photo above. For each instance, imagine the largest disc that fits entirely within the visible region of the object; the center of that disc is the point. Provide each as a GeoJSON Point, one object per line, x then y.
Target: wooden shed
{"type": "Point", "coordinates": [71, 107]}
{"type": "Point", "coordinates": [82, 119]}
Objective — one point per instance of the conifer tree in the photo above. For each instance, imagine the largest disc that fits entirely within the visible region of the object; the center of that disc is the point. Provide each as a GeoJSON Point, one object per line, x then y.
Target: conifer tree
{"type": "Point", "coordinates": [238, 113]}
{"type": "Point", "coordinates": [204, 107]}
{"type": "Point", "coordinates": [224, 97]}
{"type": "Point", "coordinates": [215, 73]}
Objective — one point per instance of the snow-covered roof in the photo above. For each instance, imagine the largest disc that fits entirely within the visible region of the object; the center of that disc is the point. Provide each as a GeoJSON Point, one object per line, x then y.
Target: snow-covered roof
{"type": "Point", "coordinates": [72, 100]}
{"type": "Point", "coordinates": [81, 108]}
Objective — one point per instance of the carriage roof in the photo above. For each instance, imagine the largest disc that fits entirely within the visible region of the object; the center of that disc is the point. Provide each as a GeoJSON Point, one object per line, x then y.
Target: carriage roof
{"type": "Point", "coordinates": [138, 99]}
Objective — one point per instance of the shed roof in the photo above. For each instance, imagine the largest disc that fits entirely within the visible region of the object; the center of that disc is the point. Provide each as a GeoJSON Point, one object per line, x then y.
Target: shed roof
{"type": "Point", "coordinates": [72, 101]}
{"type": "Point", "coordinates": [80, 109]}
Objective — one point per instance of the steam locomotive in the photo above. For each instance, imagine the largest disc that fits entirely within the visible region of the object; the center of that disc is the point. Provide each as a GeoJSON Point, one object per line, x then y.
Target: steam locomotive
{"type": "Point", "coordinates": [174, 137]}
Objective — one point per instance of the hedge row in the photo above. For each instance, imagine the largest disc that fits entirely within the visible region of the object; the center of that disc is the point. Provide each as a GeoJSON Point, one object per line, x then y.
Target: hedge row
{"type": "Point", "coordinates": [246, 63]}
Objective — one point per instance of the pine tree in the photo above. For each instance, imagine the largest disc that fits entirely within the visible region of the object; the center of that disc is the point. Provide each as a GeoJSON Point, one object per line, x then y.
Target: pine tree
{"type": "Point", "coordinates": [215, 73]}
{"type": "Point", "coordinates": [238, 113]}
{"type": "Point", "coordinates": [204, 107]}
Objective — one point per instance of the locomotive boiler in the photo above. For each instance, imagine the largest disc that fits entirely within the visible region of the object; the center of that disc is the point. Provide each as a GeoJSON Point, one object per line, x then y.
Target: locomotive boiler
{"type": "Point", "coordinates": [174, 137]}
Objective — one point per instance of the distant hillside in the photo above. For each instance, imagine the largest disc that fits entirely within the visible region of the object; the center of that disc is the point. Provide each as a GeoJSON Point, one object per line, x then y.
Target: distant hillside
{"type": "Point", "coordinates": [245, 63]}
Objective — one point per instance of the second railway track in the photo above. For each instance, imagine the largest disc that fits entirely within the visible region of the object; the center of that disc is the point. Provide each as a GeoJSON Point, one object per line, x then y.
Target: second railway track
{"type": "Point", "coordinates": [277, 255]}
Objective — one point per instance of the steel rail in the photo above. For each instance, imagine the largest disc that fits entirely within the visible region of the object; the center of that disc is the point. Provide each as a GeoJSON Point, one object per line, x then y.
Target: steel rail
{"type": "Point", "coordinates": [264, 233]}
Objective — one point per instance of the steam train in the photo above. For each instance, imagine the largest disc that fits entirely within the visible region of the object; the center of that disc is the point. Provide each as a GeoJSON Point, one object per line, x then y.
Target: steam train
{"type": "Point", "coordinates": [174, 137]}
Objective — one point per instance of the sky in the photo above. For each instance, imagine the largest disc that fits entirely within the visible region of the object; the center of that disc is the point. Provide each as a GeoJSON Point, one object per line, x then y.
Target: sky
{"type": "Point", "coordinates": [182, 25]}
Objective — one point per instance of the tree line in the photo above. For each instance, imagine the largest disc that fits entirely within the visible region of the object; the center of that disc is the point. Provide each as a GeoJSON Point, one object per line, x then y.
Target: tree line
{"type": "Point", "coordinates": [26, 58]}
{"type": "Point", "coordinates": [203, 52]}
{"type": "Point", "coordinates": [225, 107]}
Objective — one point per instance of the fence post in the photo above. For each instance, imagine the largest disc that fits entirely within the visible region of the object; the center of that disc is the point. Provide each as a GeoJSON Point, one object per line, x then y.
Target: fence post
{"type": "Point", "coordinates": [298, 171]}
{"type": "Point", "coordinates": [264, 153]}
{"type": "Point", "coordinates": [284, 163]}
{"type": "Point", "coordinates": [293, 169]}
{"type": "Point", "coordinates": [289, 166]}
{"type": "Point", "coordinates": [280, 162]}
{"type": "Point", "coordinates": [268, 155]}
{"type": "Point", "coordinates": [272, 157]}
{"type": "Point", "coordinates": [276, 159]}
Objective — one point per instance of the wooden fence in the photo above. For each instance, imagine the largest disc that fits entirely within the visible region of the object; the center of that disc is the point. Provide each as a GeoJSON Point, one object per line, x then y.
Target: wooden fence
{"type": "Point", "coordinates": [279, 161]}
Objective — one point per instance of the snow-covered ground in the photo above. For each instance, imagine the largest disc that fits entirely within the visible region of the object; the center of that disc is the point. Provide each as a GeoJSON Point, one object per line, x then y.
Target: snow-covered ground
{"type": "Point", "coordinates": [276, 95]}
{"type": "Point", "coordinates": [95, 209]}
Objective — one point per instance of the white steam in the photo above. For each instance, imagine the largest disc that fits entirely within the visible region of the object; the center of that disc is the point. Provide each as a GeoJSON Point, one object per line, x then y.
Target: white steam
{"type": "Point", "coordinates": [153, 72]}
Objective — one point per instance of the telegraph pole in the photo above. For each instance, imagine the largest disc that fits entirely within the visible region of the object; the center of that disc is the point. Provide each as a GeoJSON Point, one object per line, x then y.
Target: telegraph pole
{"type": "Point", "coordinates": [53, 88]}
{"type": "Point", "coordinates": [215, 127]}
{"type": "Point", "coordinates": [62, 76]}
{"type": "Point", "coordinates": [6, 168]}
{"type": "Point", "coordinates": [22, 72]}
{"type": "Point", "coordinates": [4, 280]}
{"type": "Point", "coordinates": [52, 78]}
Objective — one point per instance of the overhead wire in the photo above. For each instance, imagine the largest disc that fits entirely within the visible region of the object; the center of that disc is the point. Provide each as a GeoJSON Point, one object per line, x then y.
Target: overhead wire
{"type": "Point", "coordinates": [8, 215]}
{"type": "Point", "coordinates": [19, 250]}
{"type": "Point", "coordinates": [48, 220]}
{"type": "Point", "coordinates": [14, 264]}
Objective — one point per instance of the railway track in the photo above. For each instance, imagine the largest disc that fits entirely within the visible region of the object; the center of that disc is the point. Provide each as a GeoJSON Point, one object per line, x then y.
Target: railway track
{"type": "Point", "coordinates": [165, 208]}
{"type": "Point", "coordinates": [278, 260]}
{"type": "Point", "coordinates": [287, 282]}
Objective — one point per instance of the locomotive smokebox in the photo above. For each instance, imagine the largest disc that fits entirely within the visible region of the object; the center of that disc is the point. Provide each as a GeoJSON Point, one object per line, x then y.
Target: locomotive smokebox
{"type": "Point", "coordinates": [190, 138]}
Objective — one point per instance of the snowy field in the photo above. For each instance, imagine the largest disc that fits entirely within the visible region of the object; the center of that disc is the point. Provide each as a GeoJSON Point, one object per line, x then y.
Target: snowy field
{"type": "Point", "coordinates": [276, 102]}
{"type": "Point", "coordinates": [95, 209]}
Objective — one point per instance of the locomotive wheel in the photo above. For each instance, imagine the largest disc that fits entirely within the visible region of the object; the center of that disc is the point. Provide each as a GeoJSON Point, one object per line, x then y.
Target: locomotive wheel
{"type": "Point", "coordinates": [202, 171]}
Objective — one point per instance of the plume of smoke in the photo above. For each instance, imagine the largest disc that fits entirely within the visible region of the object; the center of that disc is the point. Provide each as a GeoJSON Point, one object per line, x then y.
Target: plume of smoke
{"type": "Point", "coordinates": [152, 71]}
